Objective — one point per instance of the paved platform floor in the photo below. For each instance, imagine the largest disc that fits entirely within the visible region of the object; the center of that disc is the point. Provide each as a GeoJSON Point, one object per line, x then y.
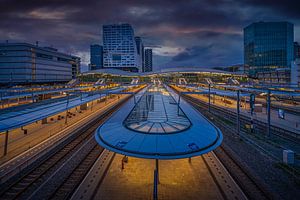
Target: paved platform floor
{"type": "Point", "coordinates": [179, 179]}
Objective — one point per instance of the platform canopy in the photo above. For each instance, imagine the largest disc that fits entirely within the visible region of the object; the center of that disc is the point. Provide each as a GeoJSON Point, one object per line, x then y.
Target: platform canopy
{"type": "Point", "coordinates": [15, 117]}
{"type": "Point", "coordinates": [156, 128]}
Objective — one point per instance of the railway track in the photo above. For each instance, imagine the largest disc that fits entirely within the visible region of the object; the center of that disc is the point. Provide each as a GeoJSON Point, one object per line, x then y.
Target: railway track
{"type": "Point", "coordinates": [252, 188]}
{"type": "Point", "coordinates": [58, 174]}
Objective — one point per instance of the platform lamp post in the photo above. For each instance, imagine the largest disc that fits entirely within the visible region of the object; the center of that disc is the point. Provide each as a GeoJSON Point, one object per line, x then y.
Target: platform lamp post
{"type": "Point", "coordinates": [238, 112]}
{"type": "Point", "coordinates": [32, 96]}
{"type": "Point", "coordinates": [2, 100]}
{"type": "Point", "coordinates": [6, 143]}
{"type": "Point", "coordinates": [178, 103]}
{"type": "Point", "coordinates": [66, 120]}
{"type": "Point", "coordinates": [134, 99]}
{"type": "Point", "coordinates": [209, 98]}
{"type": "Point", "coordinates": [269, 111]}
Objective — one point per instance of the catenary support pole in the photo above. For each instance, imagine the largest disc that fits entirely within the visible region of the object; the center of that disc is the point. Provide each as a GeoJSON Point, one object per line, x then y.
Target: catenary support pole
{"type": "Point", "coordinates": [269, 112]}
{"type": "Point", "coordinates": [208, 97]}
{"type": "Point", "coordinates": [178, 103]}
{"type": "Point", "coordinates": [238, 112]}
{"type": "Point", "coordinates": [6, 143]}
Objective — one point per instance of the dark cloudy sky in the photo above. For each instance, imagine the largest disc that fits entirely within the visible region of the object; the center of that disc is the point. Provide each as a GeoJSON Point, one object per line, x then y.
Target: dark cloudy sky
{"type": "Point", "coordinates": [190, 33]}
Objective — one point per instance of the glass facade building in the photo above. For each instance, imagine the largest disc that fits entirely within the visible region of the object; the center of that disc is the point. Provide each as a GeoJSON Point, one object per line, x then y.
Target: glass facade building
{"type": "Point", "coordinates": [119, 48]}
{"type": "Point", "coordinates": [27, 63]}
{"type": "Point", "coordinates": [296, 50]}
{"type": "Point", "coordinates": [96, 59]}
{"type": "Point", "coordinates": [268, 46]}
{"type": "Point", "coordinates": [148, 60]}
{"type": "Point", "coordinates": [140, 52]}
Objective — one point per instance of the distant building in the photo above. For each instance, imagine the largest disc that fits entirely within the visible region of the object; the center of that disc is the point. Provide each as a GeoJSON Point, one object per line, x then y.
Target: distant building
{"type": "Point", "coordinates": [276, 77]}
{"type": "Point", "coordinates": [140, 52]}
{"type": "Point", "coordinates": [27, 63]}
{"type": "Point", "coordinates": [296, 50]}
{"type": "Point", "coordinates": [119, 48]}
{"type": "Point", "coordinates": [148, 60]}
{"type": "Point", "coordinates": [232, 68]}
{"type": "Point", "coordinates": [96, 57]}
{"type": "Point", "coordinates": [268, 46]}
{"type": "Point", "coordinates": [295, 73]}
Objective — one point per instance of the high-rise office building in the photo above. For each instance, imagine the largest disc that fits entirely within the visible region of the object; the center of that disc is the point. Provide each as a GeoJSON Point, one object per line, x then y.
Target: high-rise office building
{"type": "Point", "coordinates": [119, 48]}
{"type": "Point", "coordinates": [27, 63]}
{"type": "Point", "coordinates": [268, 46]}
{"type": "Point", "coordinates": [148, 60]}
{"type": "Point", "coordinates": [96, 59]}
{"type": "Point", "coordinates": [296, 50]}
{"type": "Point", "coordinates": [140, 52]}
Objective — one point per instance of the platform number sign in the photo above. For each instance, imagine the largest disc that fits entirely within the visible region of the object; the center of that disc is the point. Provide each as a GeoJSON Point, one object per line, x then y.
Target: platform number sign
{"type": "Point", "coordinates": [281, 113]}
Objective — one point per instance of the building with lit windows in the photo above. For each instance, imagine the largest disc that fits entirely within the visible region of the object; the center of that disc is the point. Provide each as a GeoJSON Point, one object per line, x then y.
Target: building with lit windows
{"type": "Point", "coordinates": [268, 46]}
{"type": "Point", "coordinates": [119, 48]}
{"type": "Point", "coordinates": [96, 59]}
{"type": "Point", "coordinates": [148, 60]}
{"type": "Point", "coordinates": [27, 63]}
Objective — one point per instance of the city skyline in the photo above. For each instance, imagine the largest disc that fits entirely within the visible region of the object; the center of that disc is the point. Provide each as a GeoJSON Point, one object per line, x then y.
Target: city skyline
{"type": "Point", "coordinates": [190, 33]}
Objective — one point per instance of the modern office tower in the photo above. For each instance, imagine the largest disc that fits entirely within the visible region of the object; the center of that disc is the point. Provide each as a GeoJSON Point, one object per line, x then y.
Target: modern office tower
{"type": "Point", "coordinates": [295, 73]}
{"type": "Point", "coordinates": [27, 63]}
{"type": "Point", "coordinates": [96, 59]}
{"type": "Point", "coordinates": [148, 60]}
{"type": "Point", "coordinates": [296, 50]}
{"type": "Point", "coordinates": [268, 46]}
{"type": "Point", "coordinates": [140, 52]}
{"type": "Point", "coordinates": [119, 48]}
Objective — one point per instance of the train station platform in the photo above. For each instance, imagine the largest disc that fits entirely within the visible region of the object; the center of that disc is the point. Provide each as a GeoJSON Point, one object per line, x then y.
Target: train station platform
{"type": "Point", "coordinates": [12, 118]}
{"type": "Point", "coordinates": [155, 127]}
{"type": "Point", "coordinates": [19, 142]}
{"type": "Point", "coordinates": [179, 179]}
{"type": "Point", "coordinates": [291, 121]}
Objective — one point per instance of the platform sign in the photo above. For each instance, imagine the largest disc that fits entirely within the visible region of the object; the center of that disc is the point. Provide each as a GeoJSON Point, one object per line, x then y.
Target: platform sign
{"type": "Point", "coordinates": [252, 103]}
{"type": "Point", "coordinates": [281, 113]}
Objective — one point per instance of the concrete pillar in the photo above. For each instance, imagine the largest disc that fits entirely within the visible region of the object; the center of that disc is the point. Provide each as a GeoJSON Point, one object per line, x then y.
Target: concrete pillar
{"type": "Point", "coordinates": [157, 169]}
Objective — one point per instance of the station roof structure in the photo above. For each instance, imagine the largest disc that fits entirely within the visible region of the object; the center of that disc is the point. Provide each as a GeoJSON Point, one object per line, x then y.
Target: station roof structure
{"type": "Point", "coordinates": [15, 117]}
{"type": "Point", "coordinates": [245, 91]}
{"type": "Point", "coordinates": [219, 92]}
{"type": "Point", "coordinates": [13, 95]}
{"type": "Point", "coordinates": [156, 128]}
{"type": "Point", "coordinates": [118, 72]}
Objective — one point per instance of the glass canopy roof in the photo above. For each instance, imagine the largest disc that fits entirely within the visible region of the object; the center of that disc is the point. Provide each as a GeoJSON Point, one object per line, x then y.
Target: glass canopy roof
{"type": "Point", "coordinates": [157, 113]}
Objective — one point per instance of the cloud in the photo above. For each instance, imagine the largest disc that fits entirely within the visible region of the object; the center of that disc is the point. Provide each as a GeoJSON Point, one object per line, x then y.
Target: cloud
{"type": "Point", "coordinates": [192, 52]}
{"type": "Point", "coordinates": [190, 32]}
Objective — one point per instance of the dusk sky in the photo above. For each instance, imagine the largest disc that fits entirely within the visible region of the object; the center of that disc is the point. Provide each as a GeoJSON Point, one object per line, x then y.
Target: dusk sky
{"type": "Point", "coordinates": [190, 33]}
